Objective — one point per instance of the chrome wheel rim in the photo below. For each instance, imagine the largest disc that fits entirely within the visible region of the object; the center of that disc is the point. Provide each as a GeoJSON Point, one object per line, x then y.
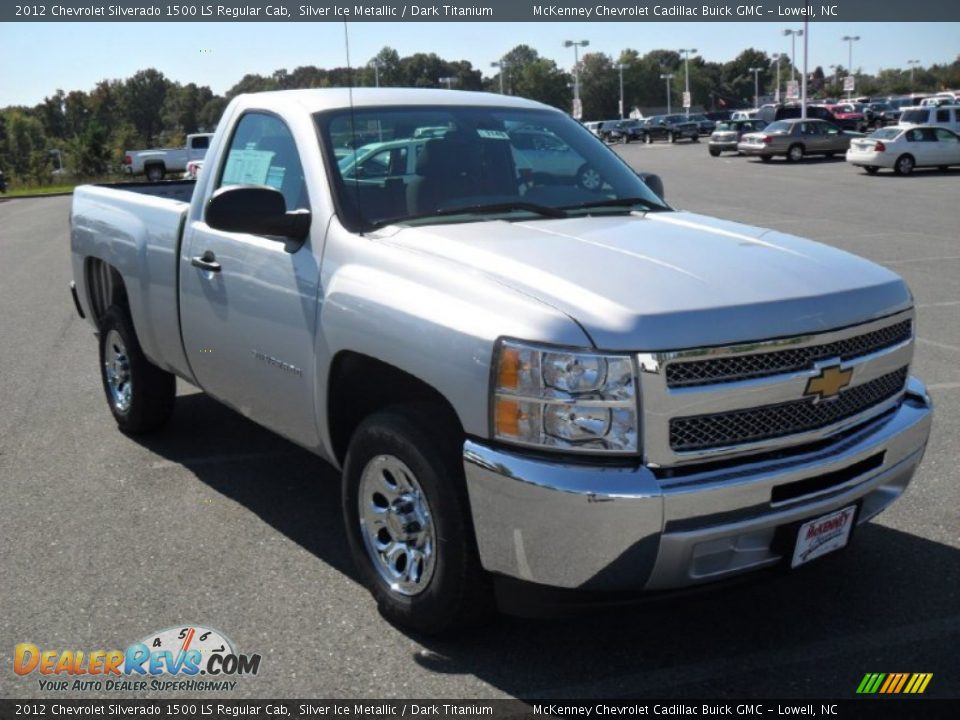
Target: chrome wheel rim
{"type": "Point", "coordinates": [906, 165]}
{"type": "Point", "coordinates": [116, 368]}
{"type": "Point", "coordinates": [590, 180]}
{"type": "Point", "coordinates": [397, 525]}
{"type": "Point", "coordinates": [796, 152]}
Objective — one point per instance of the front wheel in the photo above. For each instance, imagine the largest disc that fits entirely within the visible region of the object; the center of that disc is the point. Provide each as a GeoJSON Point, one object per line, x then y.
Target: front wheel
{"type": "Point", "coordinates": [648, 139]}
{"type": "Point", "coordinates": [408, 522]}
{"type": "Point", "coordinates": [715, 152]}
{"type": "Point", "coordinates": [140, 395]}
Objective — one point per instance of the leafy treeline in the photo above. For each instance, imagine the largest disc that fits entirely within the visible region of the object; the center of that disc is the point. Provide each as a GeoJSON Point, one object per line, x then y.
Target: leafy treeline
{"type": "Point", "coordinates": [92, 129]}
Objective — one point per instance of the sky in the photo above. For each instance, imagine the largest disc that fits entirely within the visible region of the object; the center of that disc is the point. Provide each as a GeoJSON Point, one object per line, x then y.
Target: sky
{"type": "Point", "coordinates": [38, 58]}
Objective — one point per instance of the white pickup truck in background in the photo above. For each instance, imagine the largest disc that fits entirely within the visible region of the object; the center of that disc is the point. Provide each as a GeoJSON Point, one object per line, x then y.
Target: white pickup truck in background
{"type": "Point", "coordinates": [156, 163]}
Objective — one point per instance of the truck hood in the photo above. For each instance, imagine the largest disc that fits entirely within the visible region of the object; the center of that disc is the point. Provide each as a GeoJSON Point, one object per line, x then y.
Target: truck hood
{"type": "Point", "coordinates": [669, 280]}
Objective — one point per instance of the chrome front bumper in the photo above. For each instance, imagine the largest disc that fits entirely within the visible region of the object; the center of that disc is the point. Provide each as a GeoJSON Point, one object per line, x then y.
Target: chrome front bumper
{"type": "Point", "coordinates": [632, 528]}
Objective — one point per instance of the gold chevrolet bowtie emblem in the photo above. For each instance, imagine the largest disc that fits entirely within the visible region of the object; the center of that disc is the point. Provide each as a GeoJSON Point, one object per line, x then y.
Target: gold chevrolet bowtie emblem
{"type": "Point", "coordinates": [829, 382]}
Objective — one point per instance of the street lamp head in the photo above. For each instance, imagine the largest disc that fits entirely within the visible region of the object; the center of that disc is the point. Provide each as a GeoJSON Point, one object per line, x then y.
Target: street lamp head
{"type": "Point", "coordinates": [851, 38]}
{"type": "Point", "coordinates": [666, 76]}
{"type": "Point", "coordinates": [584, 43]}
{"type": "Point", "coordinates": [568, 43]}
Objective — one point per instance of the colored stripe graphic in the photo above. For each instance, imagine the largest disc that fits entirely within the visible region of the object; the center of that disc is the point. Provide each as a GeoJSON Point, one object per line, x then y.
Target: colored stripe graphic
{"type": "Point", "coordinates": [894, 683]}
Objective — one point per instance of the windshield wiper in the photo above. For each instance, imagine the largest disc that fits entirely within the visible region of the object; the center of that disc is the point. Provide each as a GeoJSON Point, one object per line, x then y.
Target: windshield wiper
{"type": "Point", "coordinates": [479, 209]}
{"type": "Point", "coordinates": [616, 202]}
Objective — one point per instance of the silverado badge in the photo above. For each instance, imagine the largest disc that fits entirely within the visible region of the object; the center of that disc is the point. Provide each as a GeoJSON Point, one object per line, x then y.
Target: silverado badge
{"type": "Point", "coordinates": [829, 382]}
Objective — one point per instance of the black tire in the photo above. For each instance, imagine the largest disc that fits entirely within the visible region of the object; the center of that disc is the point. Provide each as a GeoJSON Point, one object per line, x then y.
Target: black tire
{"type": "Point", "coordinates": [673, 137]}
{"type": "Point", "coordinates": [871, 169]}
{"type": "Point", "coordinates": [458, 592]}
{"type": "Point", "coordinates": [155, 173]}
{"type": "Point", "coordinates": [795, 153]}
{"type": "Point", "coordinates": [715, 152]}
{"type": "Point", "coordinates": [904, 165]}
{"type": "Point", "coordinates": [695, 138]}
{"type": "Point", "coordinates": [648, 138]}
{"type": "Point", "coordinates": [766, 158]}
{"type": "Point", "coordinates": [943, 168]}
{"type": "Point", "coordinates": [145, 401]}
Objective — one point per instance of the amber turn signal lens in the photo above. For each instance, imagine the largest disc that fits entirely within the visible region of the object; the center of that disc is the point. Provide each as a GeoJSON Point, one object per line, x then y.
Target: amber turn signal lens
{"type": "Point", "coordinates": [508, 417]}
{"type": "Point", "coordinates": [508, 374]}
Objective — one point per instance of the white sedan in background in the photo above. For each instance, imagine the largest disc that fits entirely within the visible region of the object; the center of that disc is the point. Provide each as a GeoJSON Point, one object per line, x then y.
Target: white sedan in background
{"type": "Point", "coordinates": [902, 149]}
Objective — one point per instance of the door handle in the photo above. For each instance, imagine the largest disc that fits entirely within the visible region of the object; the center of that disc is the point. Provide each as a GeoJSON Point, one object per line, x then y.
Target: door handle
{"type": "Point", "coordinates": [207, 262]}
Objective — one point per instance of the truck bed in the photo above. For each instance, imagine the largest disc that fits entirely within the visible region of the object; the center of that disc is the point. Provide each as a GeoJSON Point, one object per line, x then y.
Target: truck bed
{"type": "Point", "coordinates": [136, 229]}
{"type": "Point", "coordinates": [181, 190]}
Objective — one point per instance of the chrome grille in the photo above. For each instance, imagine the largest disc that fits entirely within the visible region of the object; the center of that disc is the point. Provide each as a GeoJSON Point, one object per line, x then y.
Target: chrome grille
{"type": "Point", "coordinates": [743, 367]}
{"type": "Point", "coordinates": [774, 421]}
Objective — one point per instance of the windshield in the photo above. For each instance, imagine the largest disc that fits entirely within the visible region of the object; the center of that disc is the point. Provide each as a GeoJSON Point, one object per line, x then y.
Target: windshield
{"type": "Point", "coordinates": [461, 164]}
{"type": "Point", "coordinates": [886, 133]}
{"type": "Point", "coordinates": [778, 127]}
{"type": "Point", "coordinates": [914, 116]}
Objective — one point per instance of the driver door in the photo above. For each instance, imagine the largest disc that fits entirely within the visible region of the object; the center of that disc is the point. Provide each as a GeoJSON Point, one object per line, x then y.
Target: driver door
{"type": "Point", "coordinates": [248, 325]}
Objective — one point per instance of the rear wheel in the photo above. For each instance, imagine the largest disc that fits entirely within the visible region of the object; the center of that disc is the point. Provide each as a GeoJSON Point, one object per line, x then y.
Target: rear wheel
{"type": "Point", "coordinates": [408, 521]}
{"type": "Point", "coordinates": [140, 395]}
{"type": "Point", "coordinates": [695, 138]}
{"type": "Point", "coordinates": [871, 169]}
{"type": "Point", "coordinates": [155, 173]}
{"type": "Point", "coordinates": [795, 153]}
{"type": "Point", "coordinates": [904, 165]}
{"type": "Point", "coordinates": [673, 137]}
{"type": "Point", "coordinates": [648, 139]}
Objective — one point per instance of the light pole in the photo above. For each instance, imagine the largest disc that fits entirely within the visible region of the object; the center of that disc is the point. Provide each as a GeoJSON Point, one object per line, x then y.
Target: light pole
{"type": "Point", "coordinates": [913, 66]}
{"type": "Point", "coordinates": [836, 74]}
{"type": "Point", "coordinates": [793, 51]}
{"type": "Point", "coordinates": [576, 45]}
{"type": "Point", "coordinates": [376, 62]}
{"type": "Point", "coordinates": [620, 67]}
{"type": "Point", "coordinates": [668, 77]}
{"type": "Point", "coordinates": [776, 93]}
{"type": "Point", "coordinates": [850, 40]}
{"type": "Point", "coordinates": [686, 82]}
{"type": "Point", "coordinates": [503, 65]}
{"type": "Point", "coordinates": [756, 86]}
{"type": "Point", "coordinates": [803, 79]}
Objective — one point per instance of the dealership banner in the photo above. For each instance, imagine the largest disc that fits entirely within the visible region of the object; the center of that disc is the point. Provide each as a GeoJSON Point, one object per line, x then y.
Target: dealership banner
{"type": "Point", "coordinates": [481, 10]}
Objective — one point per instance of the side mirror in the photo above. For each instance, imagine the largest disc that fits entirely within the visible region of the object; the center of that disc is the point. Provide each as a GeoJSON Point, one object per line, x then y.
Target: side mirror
{"type": "Point", "coordinates": [653, 182]}
{"type": "Point", "coordinates": [256, 209]}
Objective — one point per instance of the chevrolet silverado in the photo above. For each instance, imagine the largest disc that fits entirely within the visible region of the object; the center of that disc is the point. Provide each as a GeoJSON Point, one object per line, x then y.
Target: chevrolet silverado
{"type": "Point", "coordinates": [531, 381]}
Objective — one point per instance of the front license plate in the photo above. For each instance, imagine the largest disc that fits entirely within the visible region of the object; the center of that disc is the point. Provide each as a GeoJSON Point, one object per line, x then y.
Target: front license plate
{"type": "Point", "coordinates": [823, 535]}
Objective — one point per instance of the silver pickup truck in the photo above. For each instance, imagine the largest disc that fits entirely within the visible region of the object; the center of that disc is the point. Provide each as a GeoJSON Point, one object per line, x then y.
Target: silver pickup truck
{"type": "Point", "coordinates": [536, 377]}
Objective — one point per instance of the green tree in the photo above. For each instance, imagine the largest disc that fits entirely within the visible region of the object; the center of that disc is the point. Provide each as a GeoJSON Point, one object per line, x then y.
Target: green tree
{"type": "Point", "coordinates": [143, 96]}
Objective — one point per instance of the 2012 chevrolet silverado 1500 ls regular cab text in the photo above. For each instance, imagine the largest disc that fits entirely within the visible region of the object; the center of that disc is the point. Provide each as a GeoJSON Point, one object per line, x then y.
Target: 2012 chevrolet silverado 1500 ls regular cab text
{"type": "Point", "coordinates": [533, 373]}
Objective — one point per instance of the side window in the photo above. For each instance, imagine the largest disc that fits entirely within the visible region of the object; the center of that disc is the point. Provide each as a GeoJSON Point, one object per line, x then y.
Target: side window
{"type": "Point", "coordinates": [946, 136]}
{"type": "Point", "coordinates": [201, 143]}
{"type": "Point", "coordinates": [262, 152]}
{"type": "Point", "coordinates": [943, 116]}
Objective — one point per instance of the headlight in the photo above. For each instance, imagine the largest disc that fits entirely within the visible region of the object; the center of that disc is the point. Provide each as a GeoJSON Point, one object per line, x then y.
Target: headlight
{"type": "Point", "coordinates": [558, 398]}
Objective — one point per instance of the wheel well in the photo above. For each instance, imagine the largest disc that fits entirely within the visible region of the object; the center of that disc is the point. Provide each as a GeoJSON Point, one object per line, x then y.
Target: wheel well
{"type": "Point", "coordinates": [104, 288]}
{"type": "Point", "coordinates": [360, 385]}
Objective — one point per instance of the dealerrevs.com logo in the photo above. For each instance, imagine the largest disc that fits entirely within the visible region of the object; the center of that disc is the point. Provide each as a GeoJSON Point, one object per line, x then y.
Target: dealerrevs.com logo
{"type": "Point", "coordinates": [190, 658]}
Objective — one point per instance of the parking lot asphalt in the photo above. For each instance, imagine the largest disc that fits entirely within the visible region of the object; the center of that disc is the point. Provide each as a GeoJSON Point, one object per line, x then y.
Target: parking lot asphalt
{"type": "Point", "coordinates": [215, 521]}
